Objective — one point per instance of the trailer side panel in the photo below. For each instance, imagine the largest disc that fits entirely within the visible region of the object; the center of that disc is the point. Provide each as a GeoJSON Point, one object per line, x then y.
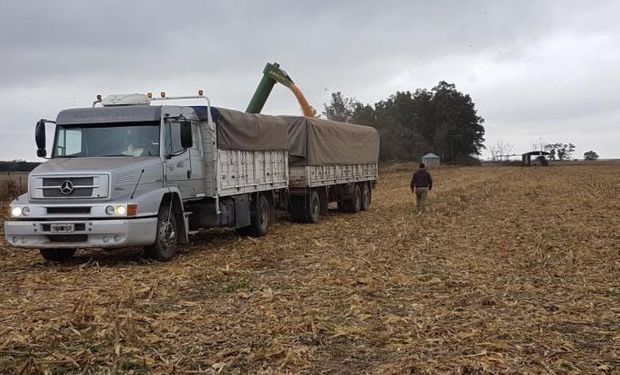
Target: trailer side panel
{"type": "Point", "coordinates": [251, 171]}
{"type": "Point", "coordinates": [324, 175]}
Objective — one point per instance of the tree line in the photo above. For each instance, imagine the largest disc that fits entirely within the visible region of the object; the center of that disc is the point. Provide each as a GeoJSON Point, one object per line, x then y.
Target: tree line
{"type": "Point", "coordinates": [17, 166]}
{"type": "Point", "coordinates": [560, 151]}
{"type": "Point", "coordinates": [411, 124]}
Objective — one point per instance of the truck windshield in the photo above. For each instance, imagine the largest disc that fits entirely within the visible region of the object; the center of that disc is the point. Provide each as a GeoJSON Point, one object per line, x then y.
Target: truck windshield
{"type": "Point", "coordinates": [77, 141]}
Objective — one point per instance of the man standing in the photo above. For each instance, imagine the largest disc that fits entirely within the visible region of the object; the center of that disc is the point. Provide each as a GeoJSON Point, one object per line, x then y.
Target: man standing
{"type": "Point", "coordinates": [421, 184]}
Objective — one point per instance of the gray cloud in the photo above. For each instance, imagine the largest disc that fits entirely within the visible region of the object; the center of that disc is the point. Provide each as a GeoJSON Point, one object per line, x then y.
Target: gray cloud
{"type": "Point", "coordinates": [534, 69]}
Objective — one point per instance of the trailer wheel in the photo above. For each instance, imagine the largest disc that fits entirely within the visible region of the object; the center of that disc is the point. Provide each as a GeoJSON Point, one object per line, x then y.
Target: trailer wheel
{"type": "Point", "coordinates": [314, 212]}
{"type": "Point", "coordinates": [366, 197]}
{"type": "Point", "coordinates": [166, 239]}
{"type": "Point", "coordinates": [356, 201]}
{"type": "Point", "coordinates": [57, 255]}
{"type": "Point", "coordinates": [261, 219]}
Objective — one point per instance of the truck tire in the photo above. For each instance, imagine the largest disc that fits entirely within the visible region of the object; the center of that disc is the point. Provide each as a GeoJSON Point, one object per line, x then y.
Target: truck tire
{"type": "Point", "coordinates": [166, 239]}
{"type": "Point", "coordinates": [261, 218]}
{"type": "Point", "coordinates": [366, 196]}
{"type": "Point", "coordinates": [314, 209]}
{"type": "Point", "coordinates": [356, 200]}
{"type": "Point", "coordinates": [57, 255]}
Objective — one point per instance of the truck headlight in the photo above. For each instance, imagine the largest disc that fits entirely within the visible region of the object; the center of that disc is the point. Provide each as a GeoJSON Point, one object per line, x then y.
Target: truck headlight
{"type": "Point", "coordinates": [122, 210]}
{"type": "Point", "coordinates": [18, 211]}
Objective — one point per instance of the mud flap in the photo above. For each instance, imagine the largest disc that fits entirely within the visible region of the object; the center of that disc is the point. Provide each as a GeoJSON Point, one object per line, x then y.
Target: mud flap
{"type": "Point", "coordinates": [242, 211]}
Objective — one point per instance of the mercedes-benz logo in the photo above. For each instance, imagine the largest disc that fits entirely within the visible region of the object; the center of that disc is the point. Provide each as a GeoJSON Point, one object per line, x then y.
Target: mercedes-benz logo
{"type": "Point", "coordinates": [66, 187]}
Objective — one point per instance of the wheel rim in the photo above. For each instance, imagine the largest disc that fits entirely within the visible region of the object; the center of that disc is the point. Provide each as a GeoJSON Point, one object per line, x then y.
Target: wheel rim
{"type": "Point", "coordinates": [263, 216]}
{"type": "Point", "coordinates": [315, 208]}
{"type": "Point", "coordinates": [167, 236]}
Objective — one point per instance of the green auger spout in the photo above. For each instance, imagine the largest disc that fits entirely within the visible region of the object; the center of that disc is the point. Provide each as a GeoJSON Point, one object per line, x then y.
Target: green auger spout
{"type": "Point", "coordinates": [272, 74]}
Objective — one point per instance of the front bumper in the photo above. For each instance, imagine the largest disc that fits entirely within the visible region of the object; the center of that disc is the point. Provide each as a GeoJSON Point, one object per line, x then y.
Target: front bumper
{"type": "Point", "coordinates": [92, 233]}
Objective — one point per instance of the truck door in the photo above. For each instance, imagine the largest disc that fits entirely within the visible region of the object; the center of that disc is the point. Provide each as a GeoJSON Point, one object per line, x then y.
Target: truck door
{"type": "Point", "coordinates": [177, 163]}
{"type": "Point", "coordinates": [197, 162]}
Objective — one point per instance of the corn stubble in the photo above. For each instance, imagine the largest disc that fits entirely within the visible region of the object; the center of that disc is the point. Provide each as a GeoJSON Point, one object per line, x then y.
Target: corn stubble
{"type": "Point", "coordinates": [512, 270]}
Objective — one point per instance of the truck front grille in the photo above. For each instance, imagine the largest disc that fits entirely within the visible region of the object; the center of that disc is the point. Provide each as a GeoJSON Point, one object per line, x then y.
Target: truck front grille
{"type": "Point", "coordinates": [74, 187]}
{"type": "Point", "coordinates": [77, 186]}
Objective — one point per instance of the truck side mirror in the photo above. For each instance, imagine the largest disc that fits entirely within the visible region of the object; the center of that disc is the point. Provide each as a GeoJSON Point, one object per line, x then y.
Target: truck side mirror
{"type": "Point", "coordinates": [39, 137]}
{"type": "Point", "coordinates": [186, 134]}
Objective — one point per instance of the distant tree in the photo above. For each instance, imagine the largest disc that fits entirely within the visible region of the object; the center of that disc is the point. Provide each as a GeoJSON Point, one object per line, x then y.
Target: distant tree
{"type": "Point", "coordinates": [568, 151]}
{"type": "Point", "coordinates": [570, 148]}
{"type": "Point", "coordinates": [551, 150]}
{"type": "Point", "coordinates": [398, 124]}
{"type": "Point", "coordinates": [561, 151]}
{"type": "Point", "coordinates": [442, 120]}
{"type": "Point", "coordinates": [501, 149]}
{"type": "Point", "coordinates": [590, 155]}
{"type": "Point", "coordinates": [458, 128]}
{"type": "Point", "coordinates": [340, 108]}
{"type": "Point", "coordinates": [363, 114]}
{"type": "Point", "coordinates": [17, 165]}
{"type": "Point", "coordinates": [539, 145]}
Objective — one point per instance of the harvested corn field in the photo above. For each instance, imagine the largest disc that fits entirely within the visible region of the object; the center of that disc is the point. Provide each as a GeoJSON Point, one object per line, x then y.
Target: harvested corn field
{"type": "Point", "coordinates": [513, 270]}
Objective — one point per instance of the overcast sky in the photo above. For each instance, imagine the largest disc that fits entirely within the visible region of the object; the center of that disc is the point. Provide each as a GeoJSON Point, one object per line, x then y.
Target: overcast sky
{"type": "Point", "coordinates": [535, 69]}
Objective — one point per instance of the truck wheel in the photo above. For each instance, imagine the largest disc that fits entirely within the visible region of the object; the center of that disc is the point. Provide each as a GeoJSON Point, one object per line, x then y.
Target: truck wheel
{"type": "Point", "coordinates": [57, 255]}
{"type": "Point", "coordinates": [166, 240]}
{"type": "Point", "coordinates": [261, 219]}
{"type": "Point", "coordinates": [356, 201]}
{"type": "Point", "coordinates": [314, 212]}
{"type": "Point", "coordinates": [366, 197]}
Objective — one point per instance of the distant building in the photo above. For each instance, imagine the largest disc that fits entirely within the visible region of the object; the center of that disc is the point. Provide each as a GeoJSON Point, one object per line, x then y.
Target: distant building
{"type": "Point", "coordinates": [535, 158]}
{"type": "Point", "coordinates": [431, 160]}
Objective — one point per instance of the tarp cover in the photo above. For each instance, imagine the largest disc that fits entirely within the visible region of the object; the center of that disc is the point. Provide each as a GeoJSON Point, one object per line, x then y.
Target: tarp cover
{"type": "Point", "coordinates": [313, 141]}
{"type": "Point", "coordinates": [246, 131]}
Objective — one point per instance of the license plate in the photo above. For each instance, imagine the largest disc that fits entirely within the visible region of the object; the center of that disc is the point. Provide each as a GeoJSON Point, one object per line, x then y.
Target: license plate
{"type": "Point", "coordinates": [61, 228]}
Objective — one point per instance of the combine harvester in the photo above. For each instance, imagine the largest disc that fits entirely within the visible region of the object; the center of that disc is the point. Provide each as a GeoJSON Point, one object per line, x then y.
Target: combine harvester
{"type": "Point", "coordinates": [129, 173]}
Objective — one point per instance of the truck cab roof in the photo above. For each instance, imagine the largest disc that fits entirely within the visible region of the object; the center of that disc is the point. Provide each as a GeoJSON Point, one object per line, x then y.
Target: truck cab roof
{"type": "Point", "coordinates": [134, 113]}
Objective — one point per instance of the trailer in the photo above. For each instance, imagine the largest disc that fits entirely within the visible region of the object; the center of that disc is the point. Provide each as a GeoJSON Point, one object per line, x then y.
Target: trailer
{"type": "Point", "coordinates": [246, 170]}
{"type": "Point", "coordinates": [129, 173]}
{"type": "Point", "coordinates": [330, 162]}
